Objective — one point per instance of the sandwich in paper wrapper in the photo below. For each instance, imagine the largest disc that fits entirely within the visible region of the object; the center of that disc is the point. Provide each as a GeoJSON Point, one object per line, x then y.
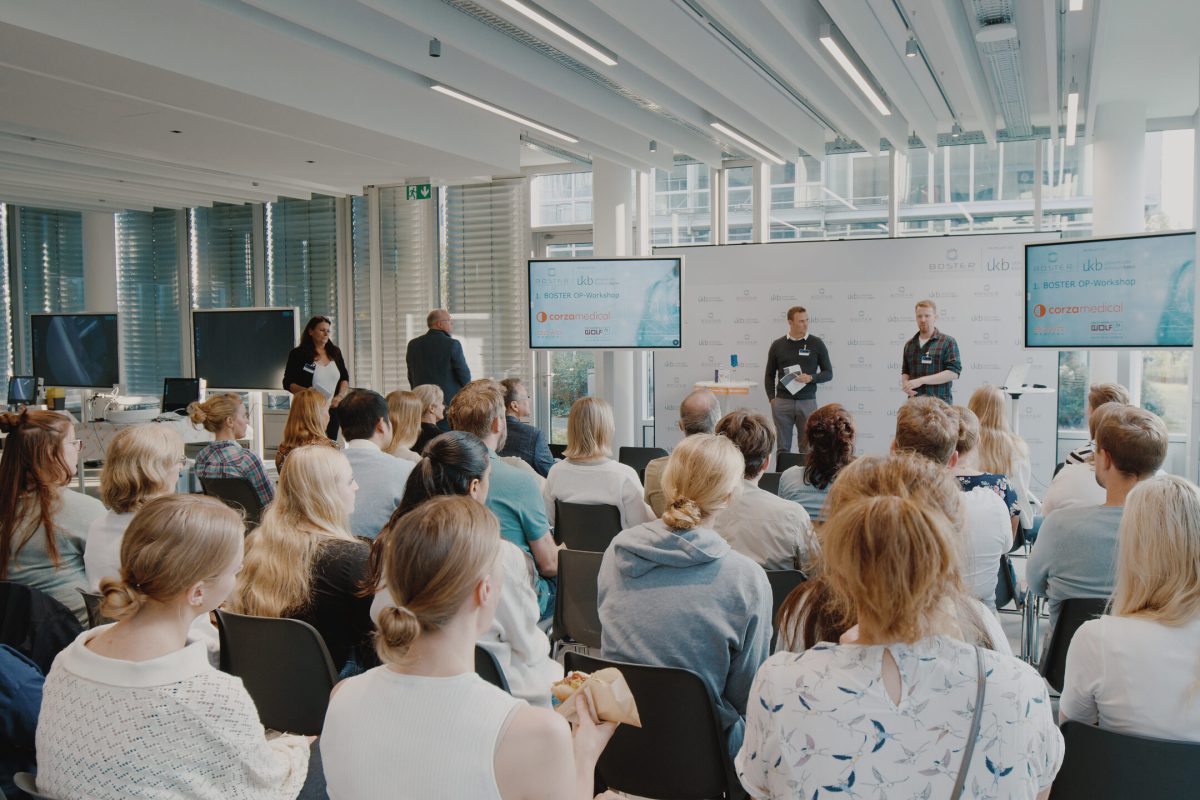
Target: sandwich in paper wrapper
{"type": "Point", "coordinates": [605, 690]}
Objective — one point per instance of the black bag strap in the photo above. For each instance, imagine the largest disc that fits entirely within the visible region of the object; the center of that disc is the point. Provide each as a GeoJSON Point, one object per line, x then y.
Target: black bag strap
{"type": "Point", "coordinates": [969, 750]}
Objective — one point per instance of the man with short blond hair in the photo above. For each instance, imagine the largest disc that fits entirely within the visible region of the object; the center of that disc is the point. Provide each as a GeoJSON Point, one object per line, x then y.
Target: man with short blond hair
{"type": "Point", "coordinates": [931, 361]}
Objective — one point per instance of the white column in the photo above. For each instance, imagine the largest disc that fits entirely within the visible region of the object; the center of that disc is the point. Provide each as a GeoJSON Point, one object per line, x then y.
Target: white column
{"type": "Point", "coordinates": [1119, 180]}
{"type": "Point", "coordinates": [99, 262]}
{"type": "Point", "coordinates": [760, 205]}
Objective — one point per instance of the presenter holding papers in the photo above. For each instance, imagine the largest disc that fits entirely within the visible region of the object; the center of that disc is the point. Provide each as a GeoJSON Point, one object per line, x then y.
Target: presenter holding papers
{"type": "Point", "coordinates": [796, 363]}
{"type": "Point", "coordinates": [931, 359]}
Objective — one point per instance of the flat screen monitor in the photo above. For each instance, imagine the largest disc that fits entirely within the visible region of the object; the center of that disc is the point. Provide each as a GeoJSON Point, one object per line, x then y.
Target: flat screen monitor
{"type": "Point", "coordinates": [22, 390]}
{"type": "Point", "coordinates": [179, 393]}
{"type": "Point", "coordinates": [244, 348]}
{"type": "Point", "coordinates": [1130, 291]}
{"type": "Point", "coordinates": [78, 351]}
{"type": "Point", "coordinates": [605, 303]}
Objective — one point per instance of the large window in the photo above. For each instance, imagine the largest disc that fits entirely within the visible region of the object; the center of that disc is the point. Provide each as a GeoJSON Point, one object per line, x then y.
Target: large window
{"type": "Point", "coordinates": [148, 298]}
{"type": "Point", "coordinates": [562, 199]}
{"type": "Point", "coordinates": [682, 206]}
{"type": "Point", "coordinates": [1164, 386]}
{"type": "Point", "coordinates": [6, 349]}
{"type": "Point", "coordinates": [51, 276]}
{"type": "Point", "coordinates": [739, 204]}
{"type": "Point", "coordinates": [302, 256]}
{"type": "Point", "coordinates": [221, 248]}
{"type": "Point", "coordinates": [407, 254]}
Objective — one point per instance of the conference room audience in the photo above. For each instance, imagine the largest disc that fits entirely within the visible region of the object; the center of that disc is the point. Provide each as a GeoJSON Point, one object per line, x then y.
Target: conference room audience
{"type": "Point", "coordinates": [224, 416]}
{"type": "Point", "coordinates": [830, 433]}
{"type": "Point", "coordinates": [671, 592]}
{"type": "Point", "coordinates": [514, 495]}
{"type": "Point", "coordinates": [1098, 394]}
{"type": "Point", "coordinates": [317, 363]}
{"type": "Point", "coordinates": [380, 477]}
{"type": "Point", "coordinates": [44, 525]}
{"type": "Point", "coordinates": [970, 478]}
{"type": "Point", "coordinates": [433, 411]}
{"type": "Point", "coordinates": [404, 412]}
{"type": "Point", "coordinates": [1000, 451]}
{"type": "Point", "coordinates": [307, 421]}
{"type": "Point", "coordinates": [812, 613]}
{"type": "Point", "coordinates": [135, 707]}
{"type": "Point", "coordinates": [424, 720]}
{"type": "Point", "coordinates": [524, 441]}
{"type": "Point", "coordinates": [1134, 671]}
{"type": "Point", "coordinates": [1075, 552]}
{"type": "Point", "coordinates": [928, 427]}
{"type": "Point", "coordinates": [302, 563]}
{"type": "Point", "coordinates": [773, 532]}
{"type": "Point", "coordinates": [457, 463]}
{"type": "Point", "coordinates": [589, 475]}
{"type": "Point", "coordinates": [1075, 484]}
{"type": "Point", "coordinates": [894, 704]}
{"type": "Point", "coordinates": [699, 412]}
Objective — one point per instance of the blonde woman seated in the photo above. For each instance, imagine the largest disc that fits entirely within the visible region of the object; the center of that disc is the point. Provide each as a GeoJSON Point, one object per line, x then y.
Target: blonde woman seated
{"type": "Point", "coordinates": [1002, 452]}
{"type": "Point", "coordinates": [1135, 671]}
{"type": "Point", "coordinates": [813, 613]}
{"type": "Point", "coordinates": [900, 708]}
{"type": "Point", "coordinates": [224, 416]}
{"type": "Point", "coordinates": [425, 721]}
{"type": "Point", "coordinates": [433, 411]}
{"type": "Point", "coordinates": [302, 562]}
{"type": "Point", "coordinates": [306, 423]}
{"type": "Point", "coordinates": [404, 411]}
{"type": "Point", "coordinates": [134, 709]}
{"type": "Point", "coordinates": [589, 475]}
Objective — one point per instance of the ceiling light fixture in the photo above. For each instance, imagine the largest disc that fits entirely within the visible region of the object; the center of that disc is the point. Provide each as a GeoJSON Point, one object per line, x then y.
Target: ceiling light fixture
{"type": "Point", "coordinates": [745, 140]}
{"type": "Point", "coordinates": [500, 112]}
{"type": "Point", "coordinates": [1072, 112]}
{"type": "Point", "coordinates": [846, 64]}
{"type": "Point", "coordinates": [1075, 5]}
{"type": "Point", "coordinates": [956, 131]}
{"type": "Point", "coordinates": [910, 48]}
{"type": "Point", "coordinates": [562, 31]}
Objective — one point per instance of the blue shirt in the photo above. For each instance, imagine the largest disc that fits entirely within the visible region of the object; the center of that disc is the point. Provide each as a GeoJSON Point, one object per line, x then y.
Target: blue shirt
{"type": "Point", "coordinates": [516, 499]}
{"type": "Point", "coordinates": [20, 701]}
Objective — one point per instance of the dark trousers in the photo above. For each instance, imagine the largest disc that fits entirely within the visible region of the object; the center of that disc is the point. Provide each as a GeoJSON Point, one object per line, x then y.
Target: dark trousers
{"type": "Point", "coordinates": [787, 413]}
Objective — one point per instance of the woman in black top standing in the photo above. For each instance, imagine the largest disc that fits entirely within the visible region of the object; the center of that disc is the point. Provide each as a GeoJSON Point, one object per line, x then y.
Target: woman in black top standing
{"type": "Point", "coordinates": [317, 363]}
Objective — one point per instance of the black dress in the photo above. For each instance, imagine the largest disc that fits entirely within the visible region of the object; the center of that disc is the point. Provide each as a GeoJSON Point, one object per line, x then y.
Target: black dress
{"type": "Point", "coordinates": [299, 370]}
{"type": "Point", "coordinates": [428, 433]}
{"type": "Point", "coordinates": [341, 617]}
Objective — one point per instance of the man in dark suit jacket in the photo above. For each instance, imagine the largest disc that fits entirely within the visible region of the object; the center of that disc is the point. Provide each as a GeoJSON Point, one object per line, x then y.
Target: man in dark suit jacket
{"type": "Point", "coordinates": [524, 441]}
{"type": "Point", "coordinates": [437, 358]}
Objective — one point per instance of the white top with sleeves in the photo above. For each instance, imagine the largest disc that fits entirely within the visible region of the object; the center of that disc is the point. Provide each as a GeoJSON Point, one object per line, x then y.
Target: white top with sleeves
{"type": "Point", "coordinates": [1074, 485]}
{"type": "Point", "coordinates": [989, 536]}
{"type": "Point", "coordinates": [434, 737]}
{"type": "Point", "coordinates": [1020, 477]}
{"type": "Point", "coordinates": [770, 531]}
{"type": "Point", "coordinates": [605, 482]}
{"type": "Point", "coordinates": [171, 727]}
{"type": "Point", "coordinates": [1134, 675]}
{"type": "Point", "coordinates": [823, 723]}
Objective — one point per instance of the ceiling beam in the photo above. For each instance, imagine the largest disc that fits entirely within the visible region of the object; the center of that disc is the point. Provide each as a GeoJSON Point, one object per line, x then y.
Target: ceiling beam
{"type": "Point", "coordinates": [956, 35]}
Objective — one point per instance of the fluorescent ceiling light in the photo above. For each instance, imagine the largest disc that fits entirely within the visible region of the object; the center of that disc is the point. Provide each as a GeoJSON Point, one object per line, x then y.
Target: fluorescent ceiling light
{"type": "Point", "coordinates": [743, 139]}
{"type": "Point", "coordinates": [842, 59]}
{"type": "Point", "coordinates": [1072, 112]}
{"type": "Point", "coordinates": [498, 111]}
{"type": "Point", "coordinates": [1075, 5]}
{"type": "Point", "coordinates": [561, 31]}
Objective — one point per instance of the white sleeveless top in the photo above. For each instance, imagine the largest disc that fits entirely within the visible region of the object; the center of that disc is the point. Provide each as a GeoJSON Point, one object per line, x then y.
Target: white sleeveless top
{"type": "Point", "coordinates": [409, 736]}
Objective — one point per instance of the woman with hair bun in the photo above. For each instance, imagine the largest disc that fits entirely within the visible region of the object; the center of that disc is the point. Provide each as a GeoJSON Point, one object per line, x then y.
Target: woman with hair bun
{"type": "Point", "coordinates": [134, 709]}
{"type": "Point", "coordinates": [224, 416]}
{"type": "Point", "coordinates": [673, 593]}
{"type": "Point", "coordinates": [43, 524]}
{"type": "Point", "coordinates": [830, 436]}
{"type": "Point", "coordinates": [424, 720]}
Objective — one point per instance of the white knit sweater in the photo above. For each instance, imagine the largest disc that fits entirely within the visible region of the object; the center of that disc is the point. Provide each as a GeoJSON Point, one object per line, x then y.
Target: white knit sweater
{"type": "Point", "coordinates": [171, 727]}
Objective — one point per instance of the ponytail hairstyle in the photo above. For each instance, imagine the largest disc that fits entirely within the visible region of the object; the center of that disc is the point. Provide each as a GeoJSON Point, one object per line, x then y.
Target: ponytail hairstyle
{"type": "Point", "coordinates": [213, 412]}
{"type": "Point", "coordinates": [32, 468]}
{"type": "Point", "coordinates": [173, 542]}
{"type": "Point", "coordinates": [404, 411]}
{"type": "Point", "coordinates": [431, 564]}
{"type": "Point", "coordinates": [703, 475]}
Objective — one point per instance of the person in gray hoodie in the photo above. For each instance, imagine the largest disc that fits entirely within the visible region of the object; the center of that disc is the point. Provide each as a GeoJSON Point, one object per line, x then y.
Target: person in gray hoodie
{"type": "Point", "coordinates": [672, 593]}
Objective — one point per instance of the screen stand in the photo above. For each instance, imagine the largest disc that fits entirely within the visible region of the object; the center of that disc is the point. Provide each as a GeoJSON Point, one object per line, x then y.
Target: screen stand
{"type": "Point", "coordinates": [85, 401]}
{"type": "Point", "coordinates": [256, 423]}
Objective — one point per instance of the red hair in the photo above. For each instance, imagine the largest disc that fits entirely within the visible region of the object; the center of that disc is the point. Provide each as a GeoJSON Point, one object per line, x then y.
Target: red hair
{"type": "Point", "coordinates": [31, 464]}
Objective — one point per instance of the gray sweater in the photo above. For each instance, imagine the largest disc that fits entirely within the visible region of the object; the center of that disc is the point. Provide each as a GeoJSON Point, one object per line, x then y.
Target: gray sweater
{"type": "Point", "coordinates": [1075, 555]}
{"type": "Point", "coordinates": [685, 599]}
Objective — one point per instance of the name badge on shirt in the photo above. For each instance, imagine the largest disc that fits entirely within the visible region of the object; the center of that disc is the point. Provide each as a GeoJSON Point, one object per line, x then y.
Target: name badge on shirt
{"type": "Point", "coordinates": [310, 367]}
{"type": "Point", "coordinates": [927, 360]}
{"type": "Point", "coordinates": [803, 351]}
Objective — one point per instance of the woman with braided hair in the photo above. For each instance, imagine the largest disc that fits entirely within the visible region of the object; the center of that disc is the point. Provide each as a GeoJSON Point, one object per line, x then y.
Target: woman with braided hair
{"type": "Point", "coordinates": [830, 436]}
{"type": "Point", "coordinates": [673, 593]}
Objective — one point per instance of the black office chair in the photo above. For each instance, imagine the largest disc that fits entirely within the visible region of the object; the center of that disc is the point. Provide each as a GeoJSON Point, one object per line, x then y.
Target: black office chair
{"type": "Point", "coordinates": [1006, 588]}
{"type": "Point", "coordinates": [783, 582]}
{"type": "Point", "coordinates": [35, 624]}
{"type": "Point", "coordinates": [576, 613]}
{"type": "Point", "coordinates": [680, 752]}
{"type": "Point", "coordinates": [285, 667]}
{"type": "Point", "coordinates": [586, 526]}
{"type": "Point", "coordinates": [639, 457]}
{"type": "Point", "coordinates": [91, 601]}
{"type": "Point", "coordinates": [1072, 613]}
{"type": "Point", "coordinates": [557, 450]}
{"type": "Point", "coordinates": [1101, 764]}
{"type": "Point", "coordinates": [488, 668]}
{"type": "Point", "coordinates": [238, 494]}
{"type": "Point", "coordinates": [787, 460]}
{"type": "Point", "coordinates": [769, 482]}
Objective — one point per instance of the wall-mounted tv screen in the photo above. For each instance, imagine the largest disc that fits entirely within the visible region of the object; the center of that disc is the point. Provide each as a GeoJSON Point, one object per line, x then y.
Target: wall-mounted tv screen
{"type": "Point", "coordinates": [78, 351]}
{"type": "Point", "coordinates": [605, 303]}
{"type": "Point", "coordinates": [244, 348]}
{"type": "Point", "coordinates": [1132, 291]}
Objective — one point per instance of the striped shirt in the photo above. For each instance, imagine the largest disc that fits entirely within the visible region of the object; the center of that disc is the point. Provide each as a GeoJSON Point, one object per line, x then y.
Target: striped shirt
{"type": "Point", "coordinates": [228, 459]}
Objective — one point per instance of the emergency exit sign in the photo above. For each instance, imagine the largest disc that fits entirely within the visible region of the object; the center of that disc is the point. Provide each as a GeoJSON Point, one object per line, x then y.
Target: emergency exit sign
{"type": "Point", "coordinates": [417, 191]}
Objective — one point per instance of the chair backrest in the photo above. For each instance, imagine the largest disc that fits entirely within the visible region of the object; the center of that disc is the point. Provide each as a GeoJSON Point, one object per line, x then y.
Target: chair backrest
{"type": "Point", "coordinates": [557, 450]}
{"type": "Point", "coordinates": [1101, 764]}
{"type": "Point", "coordinates": [238, 494]}
{"type": "Point", "coordinates": [786, 460]}
{"type": "Point", "coordinates": [680, 752]}
{"type": "Point", "coordinates": [35, 624]}
{"type": "Point", "coordinates": [28, 784]}
{"type": "Point", "coordinates": [285, 666]}
{"type": "Point", "coordinates": [576, 616]}
{"type": "Point", "coordinates": [1006, 583]}
{"type": "Point", "coordinates": [769, 482]}
{"type": "Point", "coordinates": [488, 668]}
{"type": "Point", "coordinates": [1072, 613]}
{"type": "Point", "coordinates": [91, 602]}
{"type": "Point", "coordinates": [639, 457]}
{"type": "Point", "coordinates": [782, 581]}
{"type": "Point", "coordinates": [586, 526]}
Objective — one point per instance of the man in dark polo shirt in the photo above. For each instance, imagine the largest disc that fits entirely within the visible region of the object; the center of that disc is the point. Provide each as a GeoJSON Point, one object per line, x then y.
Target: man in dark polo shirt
{"type": "Point", "coordinates": [931, 360]}
{"type": "Point", "coordinates": [796, 363]}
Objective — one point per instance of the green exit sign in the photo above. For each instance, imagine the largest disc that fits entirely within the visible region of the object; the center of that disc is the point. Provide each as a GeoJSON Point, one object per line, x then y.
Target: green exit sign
{"type": "Point", "coordinates": [418, 191]}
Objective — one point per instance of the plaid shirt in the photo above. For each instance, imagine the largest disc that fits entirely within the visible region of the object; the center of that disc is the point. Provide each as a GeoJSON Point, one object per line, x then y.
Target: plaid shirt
{"type": "Point", "coordinates": [944, 352]}
{"type": "Point", "coordinates": [228, 459]}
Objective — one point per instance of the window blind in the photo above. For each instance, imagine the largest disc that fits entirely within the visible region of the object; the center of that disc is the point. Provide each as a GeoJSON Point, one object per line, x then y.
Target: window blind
{"type": "Point", "coordinates": [302, 256]}
{"type": "Point", "coordinates": [486, 229]}
{"type": "Point", "coordinates": [360, 274]}
{"type": "Point", "coordinates": [51, 278]}
{"type": "Point", "coordinates": [407, 258]}
{"type": "Point", "coordinates": [6, 349]}
{"type": "Point", "coordinates": [148, 298]}
{"type": "Point", "coordinates": [221, 252]}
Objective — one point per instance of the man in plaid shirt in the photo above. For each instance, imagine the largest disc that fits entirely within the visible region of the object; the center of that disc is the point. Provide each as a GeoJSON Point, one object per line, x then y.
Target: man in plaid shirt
{"type": "Point", "coordinates": [931, 361]}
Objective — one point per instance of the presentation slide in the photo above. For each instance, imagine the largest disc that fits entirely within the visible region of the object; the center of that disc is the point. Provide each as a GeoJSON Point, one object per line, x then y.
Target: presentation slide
{"type": "Point", "coordinates": [585, 304]}
{"type": "Point", "coordinates": [1129, 292]}
{"type": "Point", "coordinates": [244, 348]}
